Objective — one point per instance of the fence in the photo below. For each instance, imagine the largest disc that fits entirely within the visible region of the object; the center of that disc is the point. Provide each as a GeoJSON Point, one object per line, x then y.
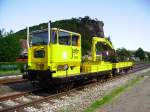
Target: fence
{"type": "Point", "coordinates": [12, 66]}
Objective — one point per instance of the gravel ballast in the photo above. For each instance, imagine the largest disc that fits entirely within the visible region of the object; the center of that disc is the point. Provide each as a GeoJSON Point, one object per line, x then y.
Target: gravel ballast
{"type": "Point", "coordinates": [79, 101]}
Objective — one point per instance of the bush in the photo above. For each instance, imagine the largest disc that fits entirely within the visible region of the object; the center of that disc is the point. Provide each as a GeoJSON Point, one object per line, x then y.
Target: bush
{"type": "Point", "coordinates": [11, 66]}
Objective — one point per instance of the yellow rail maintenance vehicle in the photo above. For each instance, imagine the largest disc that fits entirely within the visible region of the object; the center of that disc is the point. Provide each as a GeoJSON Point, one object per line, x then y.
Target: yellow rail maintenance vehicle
{"type": "Point", "coordinates": [53, 53]}
{"type": "Point", "coordinates": [54, 56]}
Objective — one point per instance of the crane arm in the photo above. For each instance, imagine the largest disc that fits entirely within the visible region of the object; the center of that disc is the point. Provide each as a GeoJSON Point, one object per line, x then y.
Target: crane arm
{"type": "Point", "coordinates": [95, 40]}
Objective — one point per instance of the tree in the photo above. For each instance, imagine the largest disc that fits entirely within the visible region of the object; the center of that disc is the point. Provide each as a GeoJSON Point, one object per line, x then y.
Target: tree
{"type": "Point", "coordinates": [10, 32]}
{"type": "Point", "coordinates": [140, 53]}
{"type": "Point", "coordinates": [148, 54]}
{"type": "Point", "coordinates": [2, 32]}
{"type": "Point", "coordinates": [9, 48]}
{"type": "Point", "coordinates": [123, 54]}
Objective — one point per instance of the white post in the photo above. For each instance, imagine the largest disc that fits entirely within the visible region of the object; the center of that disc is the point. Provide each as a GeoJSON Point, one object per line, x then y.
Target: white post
{"type": "Point", "coordinates": [48, 48]}
{"type": "Point", "coordinates": [28, 42]}
{"type": "Point", "coordinates": [49, 31]}
{"type": "Point", "coordinates": [28, 37]}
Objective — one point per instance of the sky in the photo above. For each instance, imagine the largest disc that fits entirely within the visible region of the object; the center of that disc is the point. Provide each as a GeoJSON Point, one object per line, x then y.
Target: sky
{"type": "Point", "coordinates": [127, 22]}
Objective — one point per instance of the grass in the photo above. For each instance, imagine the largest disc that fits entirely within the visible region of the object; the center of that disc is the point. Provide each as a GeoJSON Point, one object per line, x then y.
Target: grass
{"type": "Point", "coordinates": [11, 72]}
{"type": "Point", "coordinates": [107, 98]}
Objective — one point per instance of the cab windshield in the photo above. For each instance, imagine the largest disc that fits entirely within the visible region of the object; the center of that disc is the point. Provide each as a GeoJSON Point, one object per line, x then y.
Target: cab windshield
{"type": "Point", "coordinates": [40, 38]}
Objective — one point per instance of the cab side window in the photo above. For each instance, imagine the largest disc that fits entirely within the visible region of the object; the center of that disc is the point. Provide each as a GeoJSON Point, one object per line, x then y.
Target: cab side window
{"type": "Point", "coordinates": [54, 37]}
{"type": "Point", "coordinates": [64, 38]}
{"type": "Point", "coordinates": [75, 40]}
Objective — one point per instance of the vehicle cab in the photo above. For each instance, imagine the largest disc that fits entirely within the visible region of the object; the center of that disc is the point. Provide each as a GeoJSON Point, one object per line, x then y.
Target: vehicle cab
{"type": "Point", "coordinates": [55, 52]}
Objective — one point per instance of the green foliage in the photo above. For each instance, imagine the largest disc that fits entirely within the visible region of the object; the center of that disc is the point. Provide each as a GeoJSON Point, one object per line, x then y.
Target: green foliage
{"type": "Point", "coordinates": [7, 73]}
{"type": "Point", "coordinates": [2, 33]}
{"type": "Point", "coordinates": [123, 54]}
{"type": "Point", "coordinates": [148, 56]}
{"type": "Point", "coordinates": [9, 48]}
{"type": "Point", "coordinates": [140, 53]}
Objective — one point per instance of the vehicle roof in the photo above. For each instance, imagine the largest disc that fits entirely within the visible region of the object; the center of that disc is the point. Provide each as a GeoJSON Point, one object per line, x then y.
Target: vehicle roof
{"type": "Point", "coordinates": [43, 30]}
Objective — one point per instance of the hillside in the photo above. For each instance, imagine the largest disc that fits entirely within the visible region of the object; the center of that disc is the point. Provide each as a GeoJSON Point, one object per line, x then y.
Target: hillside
{"type": "Point", "coordinates": [87, 27]}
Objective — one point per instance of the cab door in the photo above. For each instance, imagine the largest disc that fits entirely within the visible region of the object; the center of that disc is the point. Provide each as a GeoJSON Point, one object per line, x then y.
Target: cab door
{"type": "Point", "coordinates": [62, 51]}
{"type": "Point", "coordinates": [64, 39]}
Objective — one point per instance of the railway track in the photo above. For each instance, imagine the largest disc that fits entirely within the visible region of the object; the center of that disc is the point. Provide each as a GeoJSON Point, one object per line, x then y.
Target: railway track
{"type": "Point", "coordinates": [14, 101]}
{"type": "Point", "coordinates": [22, 101]}
{"type": "Point", "coordinates": [139, 67]}
{"type": "Point", "coordinates": [30, 101]}
{"type": "Point", "coordinates": [11, 79]}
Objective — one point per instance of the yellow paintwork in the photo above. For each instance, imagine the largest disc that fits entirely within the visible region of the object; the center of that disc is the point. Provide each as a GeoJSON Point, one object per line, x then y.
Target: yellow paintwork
{"type": "Point", "coordinates": [57, 55]}
{"type": "Point", "coordinates": [122, 64]}
{"type": "Point", "coordinates": [95, 40]}
{"type": "Point", "coordinates": [89, 67]}
{"type": "Point", "coordinates": [65, 56]}
{"type": "Point", "coordinates": [69, 72]}
{"type": "Point", "coordinates": [94, 65]}
{"type": "Point", "coordinates": [34, 63]}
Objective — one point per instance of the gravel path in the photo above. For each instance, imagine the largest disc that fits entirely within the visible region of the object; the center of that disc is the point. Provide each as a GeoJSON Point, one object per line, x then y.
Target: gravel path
{"type": "Point", "coordinates": [135, 100]}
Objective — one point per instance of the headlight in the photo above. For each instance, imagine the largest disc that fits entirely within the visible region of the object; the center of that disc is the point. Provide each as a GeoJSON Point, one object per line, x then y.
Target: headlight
{"type": "Point", "coordinates": [39, 54]}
